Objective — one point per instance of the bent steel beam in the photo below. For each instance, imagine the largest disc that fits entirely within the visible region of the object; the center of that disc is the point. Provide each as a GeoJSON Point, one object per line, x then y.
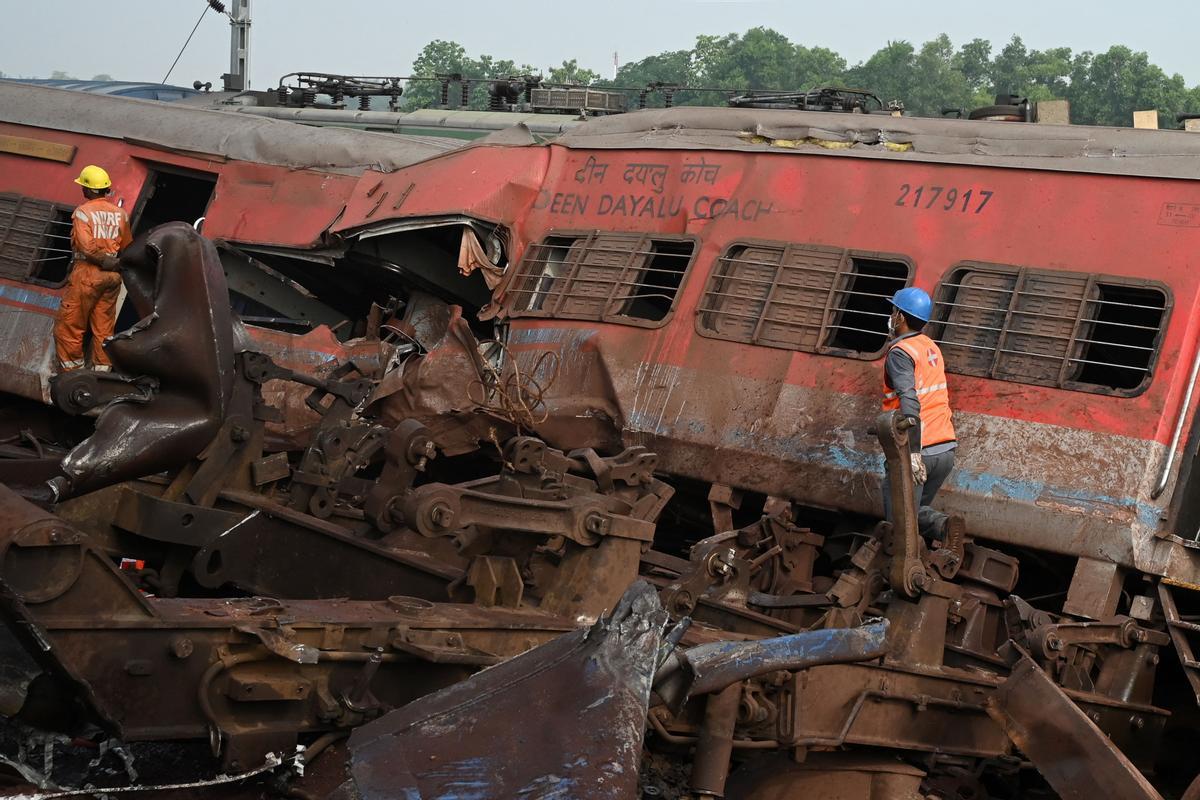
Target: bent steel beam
{"type": "Point", "coordinates": [711, 667]}
{"type": "Point", "coordinates": [717, 665]}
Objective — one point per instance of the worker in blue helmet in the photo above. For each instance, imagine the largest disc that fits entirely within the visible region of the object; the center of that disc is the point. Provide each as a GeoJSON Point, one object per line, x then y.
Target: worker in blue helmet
{"type": "Point", "coordinates": [914, 381]}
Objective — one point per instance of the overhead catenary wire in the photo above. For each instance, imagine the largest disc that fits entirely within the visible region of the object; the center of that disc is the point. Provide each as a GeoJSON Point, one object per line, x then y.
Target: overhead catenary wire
{"type": "Point", "coordinates": [217, 6]}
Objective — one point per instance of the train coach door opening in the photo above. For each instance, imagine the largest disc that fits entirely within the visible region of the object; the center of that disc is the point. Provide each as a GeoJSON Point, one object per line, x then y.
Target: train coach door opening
{"type": "Point", "coordinates": [172, 195]}
{"type": "Point", "coordinates": [169, 194]}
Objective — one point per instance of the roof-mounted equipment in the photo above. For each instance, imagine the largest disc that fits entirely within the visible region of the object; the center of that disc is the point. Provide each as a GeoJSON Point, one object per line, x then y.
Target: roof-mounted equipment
{"type": "Point", "coordinates": [827, 98]}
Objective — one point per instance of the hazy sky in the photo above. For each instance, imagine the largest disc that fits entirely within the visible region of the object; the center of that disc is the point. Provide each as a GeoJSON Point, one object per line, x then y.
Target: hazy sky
{"type": "Point", "coordinates": [137, 39]}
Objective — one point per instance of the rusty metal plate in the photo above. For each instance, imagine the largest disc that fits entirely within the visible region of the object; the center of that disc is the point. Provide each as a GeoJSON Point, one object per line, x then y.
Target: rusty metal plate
{"type": "Point", "coordinates": [270, 469]}
{"type": "Point", "coordinates": [894, 708]}
{"type": "Point", "coordinates": [169, 521]}
{"type": "Point", "coordinates": [564, 720]}
{"type": "Point", "coordinates": [1073, 755]}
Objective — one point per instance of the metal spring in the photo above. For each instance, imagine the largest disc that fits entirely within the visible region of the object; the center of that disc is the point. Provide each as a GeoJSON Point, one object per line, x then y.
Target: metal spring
{"type": "Point", "coordinates": [364, 102]}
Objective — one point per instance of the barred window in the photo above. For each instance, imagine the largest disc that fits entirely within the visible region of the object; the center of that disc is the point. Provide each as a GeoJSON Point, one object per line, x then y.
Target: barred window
{"type": "Point", "coordinates": [1093, 333]}
{"type": "Point", "coordinates": [35, 239]}
{"type": "Point", "coordinates": [802, 297]}
{"type": "Point", "coordinates": [615, 277]}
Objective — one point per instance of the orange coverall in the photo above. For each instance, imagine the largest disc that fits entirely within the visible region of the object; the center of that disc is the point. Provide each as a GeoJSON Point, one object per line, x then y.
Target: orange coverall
{"type": "Point", "coordinates": [99, 228]}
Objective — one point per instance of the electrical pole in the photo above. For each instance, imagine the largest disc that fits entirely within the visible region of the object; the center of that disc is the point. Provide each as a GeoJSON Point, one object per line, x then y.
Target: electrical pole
{"type": "Point", "coordinates": [238, 77]}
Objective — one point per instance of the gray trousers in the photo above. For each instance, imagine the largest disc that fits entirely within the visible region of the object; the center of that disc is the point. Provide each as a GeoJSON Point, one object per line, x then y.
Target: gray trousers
{"type": "Point", "coordinates": [929, 522]}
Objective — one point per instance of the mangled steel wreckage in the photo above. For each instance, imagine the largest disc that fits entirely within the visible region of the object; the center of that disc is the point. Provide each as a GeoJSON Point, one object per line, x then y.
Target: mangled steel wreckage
{"type": "Point", "coordinates": [554, 470]}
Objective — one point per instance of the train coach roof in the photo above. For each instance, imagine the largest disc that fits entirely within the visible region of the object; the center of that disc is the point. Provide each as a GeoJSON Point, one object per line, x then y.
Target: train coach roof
{"type": "Point", "coordinates": [1070, 148]}
{"type": "Point", "coordinates": [234, 136]}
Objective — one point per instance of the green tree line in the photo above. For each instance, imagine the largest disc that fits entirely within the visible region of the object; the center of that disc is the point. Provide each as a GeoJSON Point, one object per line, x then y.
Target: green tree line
{"type": "Point", "coordinates": [440, 57]}
{"type": "Point", "coordinates": [1103, 88]}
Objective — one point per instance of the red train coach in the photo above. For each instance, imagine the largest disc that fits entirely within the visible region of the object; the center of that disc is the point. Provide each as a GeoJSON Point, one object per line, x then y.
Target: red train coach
{"type": "Point", "coordinates": [715, 282]}
{"type": "Point", "coordinates": [261, 187]}
{"type": "Point", "coordinates": [718, 279]}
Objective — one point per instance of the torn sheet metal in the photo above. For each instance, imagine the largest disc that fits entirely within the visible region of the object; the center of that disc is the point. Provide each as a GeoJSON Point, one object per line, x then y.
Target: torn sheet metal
{"type": "Point", "coordinates": [436, 388]}
{"type": "Point", "coordinates": [317, 353]}
{"type": "Point", "coordinates": [579, 707]}
{"type": "Point", "coordinates": [1074, 756]}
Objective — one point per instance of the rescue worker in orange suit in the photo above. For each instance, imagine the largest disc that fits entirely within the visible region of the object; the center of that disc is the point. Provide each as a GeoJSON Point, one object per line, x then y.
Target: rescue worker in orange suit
{"type": "Point", "coordinates": [99, 231]}
{"type": "Point", "coordinates": [915, 382]}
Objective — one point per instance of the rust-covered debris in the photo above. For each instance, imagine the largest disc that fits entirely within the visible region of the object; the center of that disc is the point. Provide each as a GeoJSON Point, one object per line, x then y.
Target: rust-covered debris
{"type": "Point", "coordinates": [256, 598]}
{"type": "Point", "coordinates": [481, 499]}
{"type": "Point", "coordinates": [581, 701]}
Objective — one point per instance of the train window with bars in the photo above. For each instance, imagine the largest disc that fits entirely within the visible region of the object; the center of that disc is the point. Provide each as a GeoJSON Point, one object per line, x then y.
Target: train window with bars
{"type": "Point", "coordinates": [802, 297]}
{"type": "Point", "coordinates": [616, 277]}
{"type": "Point", "coordinates": [35, 239]}
{"type": "Point", "coordinates": [1092, 333]}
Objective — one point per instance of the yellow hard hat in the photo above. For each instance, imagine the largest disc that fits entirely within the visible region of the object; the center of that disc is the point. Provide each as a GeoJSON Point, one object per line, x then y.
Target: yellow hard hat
{"type": "Point", "coordinates": [93, 177]}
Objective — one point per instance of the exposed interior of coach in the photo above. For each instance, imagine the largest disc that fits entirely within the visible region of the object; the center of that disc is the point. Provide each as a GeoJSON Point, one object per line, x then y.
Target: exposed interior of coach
{"type": "Point", "coordinates": [291, 290]}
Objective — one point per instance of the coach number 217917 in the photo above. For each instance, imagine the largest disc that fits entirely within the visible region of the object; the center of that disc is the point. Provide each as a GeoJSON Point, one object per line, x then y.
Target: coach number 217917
{"type": "Point", "coordinates": [944, 198]}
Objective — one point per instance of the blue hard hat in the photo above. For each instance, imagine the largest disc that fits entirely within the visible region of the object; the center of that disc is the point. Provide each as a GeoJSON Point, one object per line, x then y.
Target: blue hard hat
{"type": "Point", "coordinates": [914, 302]}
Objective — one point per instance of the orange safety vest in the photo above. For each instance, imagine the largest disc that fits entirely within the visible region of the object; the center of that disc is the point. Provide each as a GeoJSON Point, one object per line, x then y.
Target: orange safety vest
{"type": "Point", "coordinates": [930, 373]}
{"type": "Point", "coordinates": [99, 228]}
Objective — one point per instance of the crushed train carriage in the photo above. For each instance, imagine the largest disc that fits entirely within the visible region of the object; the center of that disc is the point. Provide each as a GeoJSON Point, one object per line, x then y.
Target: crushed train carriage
{"type": "Point", "coordinates": [650, 347]}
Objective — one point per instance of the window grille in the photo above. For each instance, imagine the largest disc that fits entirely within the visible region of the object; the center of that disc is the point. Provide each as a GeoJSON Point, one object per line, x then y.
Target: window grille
{"type": "Point", "coordinates": [802, 297]}
{"type": "Point", "coordinates": [616, 277]}
{"type": "Point", "coordinates": [1072, 330]}
{"type": "Point", "coordinates": [35, 239]}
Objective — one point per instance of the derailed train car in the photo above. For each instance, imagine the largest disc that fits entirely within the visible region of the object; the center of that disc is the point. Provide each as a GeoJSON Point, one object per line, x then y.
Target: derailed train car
{"type": "Point", "coordinates": [677, 375]}
{"type": "Point", "coordinates": [1057, 256]}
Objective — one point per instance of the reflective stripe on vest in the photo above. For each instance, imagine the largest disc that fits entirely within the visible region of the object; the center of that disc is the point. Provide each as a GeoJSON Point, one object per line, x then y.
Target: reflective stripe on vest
{"type": "Point", "coordinates": [930, 376]}
{"type": "Point", "coordinates": [926, 390]}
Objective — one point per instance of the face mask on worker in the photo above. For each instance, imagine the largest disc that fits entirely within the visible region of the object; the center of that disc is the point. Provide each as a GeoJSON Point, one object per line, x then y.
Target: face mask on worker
{"type": "Point", "coordinates": [891, 326]}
